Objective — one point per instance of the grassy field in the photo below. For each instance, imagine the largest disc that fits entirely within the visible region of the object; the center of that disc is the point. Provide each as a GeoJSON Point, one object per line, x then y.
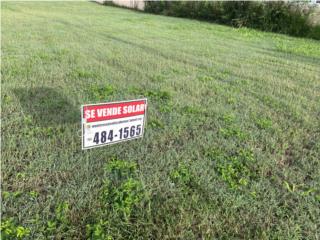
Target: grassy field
{"type": "Point", "coordinates": [232, 145]}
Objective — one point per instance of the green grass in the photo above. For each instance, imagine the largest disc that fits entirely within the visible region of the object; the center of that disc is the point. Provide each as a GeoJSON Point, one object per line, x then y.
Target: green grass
{"type": "Point", "coordinates": [232, 145]}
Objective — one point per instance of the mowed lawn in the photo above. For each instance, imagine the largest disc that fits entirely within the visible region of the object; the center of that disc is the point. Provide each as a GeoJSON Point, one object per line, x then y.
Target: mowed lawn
{"type": "Point", "coordinates": [232, 142]}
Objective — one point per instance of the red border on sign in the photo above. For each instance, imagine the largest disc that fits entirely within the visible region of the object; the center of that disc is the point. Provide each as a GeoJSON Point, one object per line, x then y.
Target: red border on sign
{"type": "Point", "coordinates": [113, 110]}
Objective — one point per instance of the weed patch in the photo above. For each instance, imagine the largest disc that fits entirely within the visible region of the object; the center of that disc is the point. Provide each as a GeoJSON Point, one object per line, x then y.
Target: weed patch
{"type": "Point", "coordinates": [263, 123]}
{"type": "Point", "coordinates": [159, 95]}
{"type": "Point", "coordinates": [162, 98]}
{"type": "Point", "coordinates": [155, 123]}
{"type": "Point", "coordinates": [192, 110]}
{"type": "Point", "coordinates": [44, 132]}
{"type": "Point", "coordinates": [97, 231]}
{"type": "Point", "coordinates": [123, 197]}
{"type": "Point", "coordinates": [233, 131]}
{"type": "Point", "coordinates": [235, 169]}
{"type": "Point", "coordinates": [158, 78]}
{"type": "Point", "coordinates": [302, 190]}
{"type": "Point", "coordinates": [121, 193]}
{"type": "Point", "coordinates": [59, 222]}
{"type": "Point", "coordinates": [228, 118]}
{"type": "Point", "coordinates": [99, 93]}
{"type": "Point", "coordinates": [83, 74]}
{"type": "Point", "coordinates": [205, 78]}
{"type": "Point", "coordinates": [9, 230]}
{"type": "Point", "coordinates": [181, 175]}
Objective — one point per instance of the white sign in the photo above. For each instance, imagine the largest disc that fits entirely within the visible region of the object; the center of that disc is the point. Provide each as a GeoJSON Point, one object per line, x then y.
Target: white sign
{"type": "Point", "coordinates": [108, 123]}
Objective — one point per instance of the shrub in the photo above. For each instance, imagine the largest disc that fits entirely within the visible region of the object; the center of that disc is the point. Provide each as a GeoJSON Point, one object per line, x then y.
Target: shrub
{"type": "Point", "coordinates": [280, 17]}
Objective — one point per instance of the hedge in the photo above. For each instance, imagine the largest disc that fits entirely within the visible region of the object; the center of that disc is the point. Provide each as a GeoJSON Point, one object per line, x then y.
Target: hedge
{"type": "Point", "coordinates": [282, 17]}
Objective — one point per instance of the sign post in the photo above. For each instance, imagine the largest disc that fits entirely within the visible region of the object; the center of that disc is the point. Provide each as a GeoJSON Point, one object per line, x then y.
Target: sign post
{"type": "Point", "coordinates": [114, 122]}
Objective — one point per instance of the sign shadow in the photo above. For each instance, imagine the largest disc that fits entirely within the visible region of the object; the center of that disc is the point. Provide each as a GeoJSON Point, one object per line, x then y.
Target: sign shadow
{"type": "Point", "coordinates": [47, 106]}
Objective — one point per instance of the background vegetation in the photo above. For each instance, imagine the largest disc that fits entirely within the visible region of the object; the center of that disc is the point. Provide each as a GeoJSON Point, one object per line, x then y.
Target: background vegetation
{"type": "Point", "coordinates": [232, 145]}
{"type": "Point", "coordinates": [276, 16]}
